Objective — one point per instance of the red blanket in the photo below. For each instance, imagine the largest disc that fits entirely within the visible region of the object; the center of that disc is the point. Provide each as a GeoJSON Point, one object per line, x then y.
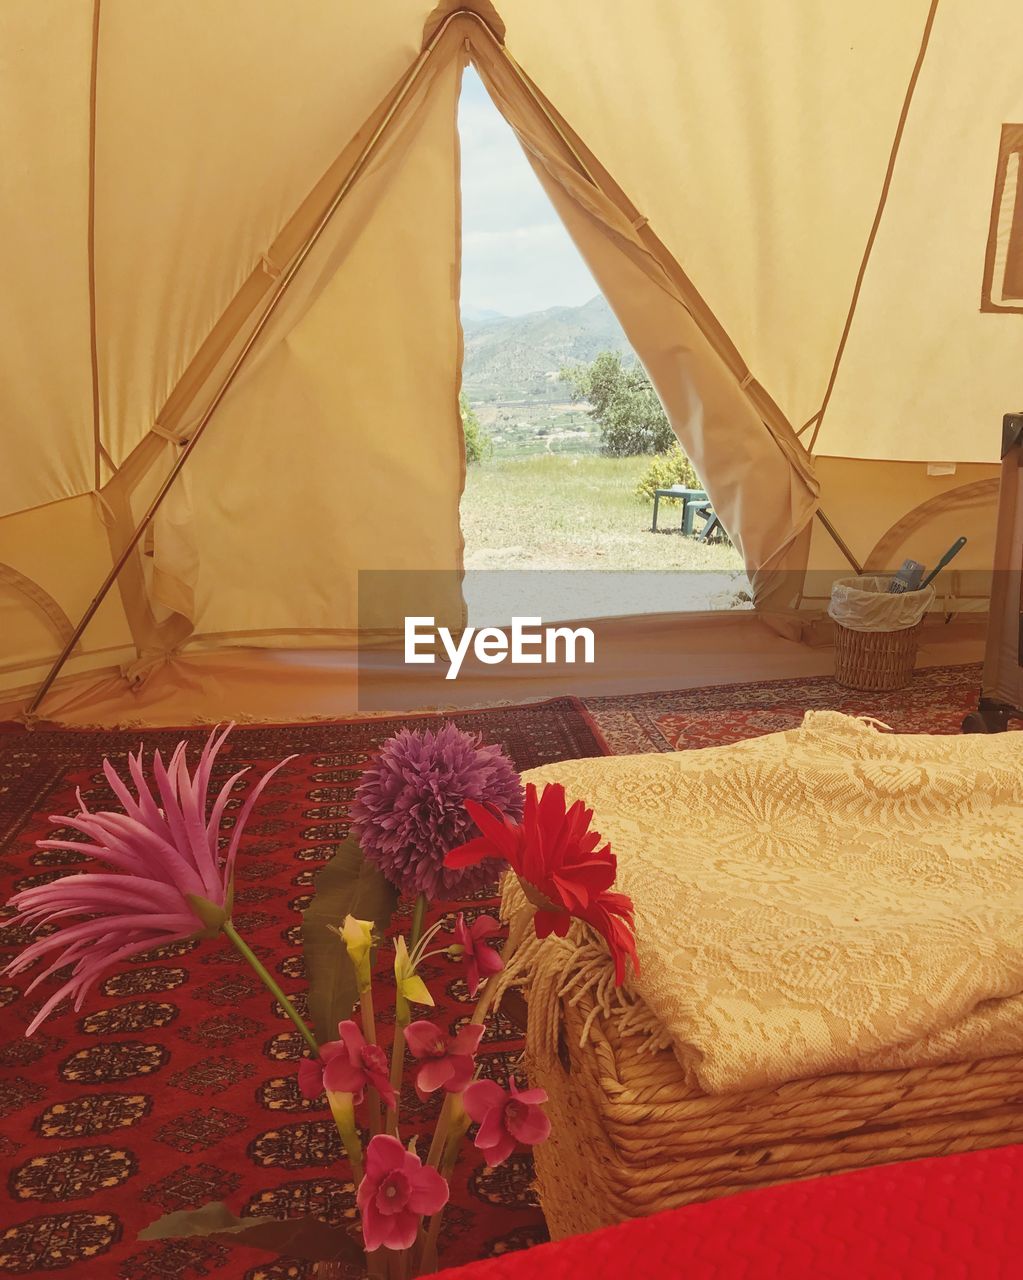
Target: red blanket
{"type": "Point", "coordinates": [957, 1216]}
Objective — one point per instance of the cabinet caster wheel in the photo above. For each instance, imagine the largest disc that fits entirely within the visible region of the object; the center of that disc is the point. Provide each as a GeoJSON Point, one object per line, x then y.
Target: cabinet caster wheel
{"type": "Point", "coordinates": [974, 723]}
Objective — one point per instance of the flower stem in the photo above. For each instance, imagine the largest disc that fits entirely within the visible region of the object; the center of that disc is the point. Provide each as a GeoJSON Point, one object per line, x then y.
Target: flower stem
{"type": "Point", "coordinates": [402, 1017]}
{"type": "Point", "coordinates": [428, 1257]}
{"type": "Point", "coordinates": [483, 1003]}
{"type": "Point", "coordinates": [268, 981]}
{"type": "Point", "coordinates": [369, 1030]}
{"type": "Point", "coordinates": [441, 1132]}
{"type": "Point", "coordinates": [459, 1125]}
{"type": "Point", "coordinates": [342, 1108]}
{"type": "Point", "coordinates": [400, 1263]}
{"type": "Point", "coordinates": [418, 919]}
{"type": "Point", "coordinates": [516, 933]}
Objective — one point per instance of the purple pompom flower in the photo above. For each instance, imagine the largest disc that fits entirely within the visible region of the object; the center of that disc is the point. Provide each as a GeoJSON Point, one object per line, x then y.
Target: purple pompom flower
{"type": "Point", "coordinates": [409, 809]}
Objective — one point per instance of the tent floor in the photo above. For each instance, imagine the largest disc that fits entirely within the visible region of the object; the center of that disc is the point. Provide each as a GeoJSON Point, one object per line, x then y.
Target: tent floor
{"type": "Point", "coordinates": [634, 655]}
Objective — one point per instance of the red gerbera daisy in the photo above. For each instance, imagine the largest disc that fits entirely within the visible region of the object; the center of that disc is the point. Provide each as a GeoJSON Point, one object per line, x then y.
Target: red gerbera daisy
{"type": "Point", "coordinates": [562, 871]}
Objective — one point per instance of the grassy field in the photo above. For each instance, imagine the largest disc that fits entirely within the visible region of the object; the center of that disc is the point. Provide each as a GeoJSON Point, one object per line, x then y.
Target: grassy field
{"type": "Point", "coordinates": [568, 511]}
{"type": "Point", "coordinates": [575, 512]}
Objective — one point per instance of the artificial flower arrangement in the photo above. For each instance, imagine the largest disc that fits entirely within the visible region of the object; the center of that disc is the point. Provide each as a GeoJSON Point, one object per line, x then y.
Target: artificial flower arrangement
{"type": "Point", "coordinates": [437, 814]}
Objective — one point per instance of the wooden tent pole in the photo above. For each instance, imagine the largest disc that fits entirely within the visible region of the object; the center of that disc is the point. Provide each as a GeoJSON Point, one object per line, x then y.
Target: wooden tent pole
{"type": "Point", "coordinates": [839, 542]}
{"type": "Point", "coordinates": [412, 78]}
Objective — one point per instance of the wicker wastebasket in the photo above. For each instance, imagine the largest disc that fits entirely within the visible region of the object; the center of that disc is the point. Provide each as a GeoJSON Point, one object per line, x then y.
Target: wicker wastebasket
{"type": "Point", "coordinates": [876, 632]}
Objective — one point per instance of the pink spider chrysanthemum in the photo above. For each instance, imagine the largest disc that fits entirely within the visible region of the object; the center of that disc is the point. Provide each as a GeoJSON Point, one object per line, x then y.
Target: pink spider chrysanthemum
{"type": "Point", "coordinates": [167, 877]}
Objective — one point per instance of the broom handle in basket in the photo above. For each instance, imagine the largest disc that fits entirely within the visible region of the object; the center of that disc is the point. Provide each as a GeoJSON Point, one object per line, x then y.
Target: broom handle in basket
{"type": "Point", "coordinates": [950, 554]}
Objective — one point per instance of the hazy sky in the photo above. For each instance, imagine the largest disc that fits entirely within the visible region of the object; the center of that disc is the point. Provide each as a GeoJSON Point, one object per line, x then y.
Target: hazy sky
{"type": "Point", "coordinates": [516, 255]}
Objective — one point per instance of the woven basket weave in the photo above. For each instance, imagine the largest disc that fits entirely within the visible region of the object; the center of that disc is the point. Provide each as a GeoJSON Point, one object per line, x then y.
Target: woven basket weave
{"type": "Point", "coordinates": [630, 1137]}
{"type": "Point", "coordinates": [875, 660]}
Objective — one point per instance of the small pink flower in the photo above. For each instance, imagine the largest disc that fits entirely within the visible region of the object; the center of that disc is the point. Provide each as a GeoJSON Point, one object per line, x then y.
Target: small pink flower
{"type": "Point", "coordinates": [347, 1065]}
{"type": "Point", "coordinates": [480, 960]}
{"type": "Point", "coordinates": [395, 1193]}
{"type": "Point", "coordinates": [447, 1062]}
{"type": "Point", "coordinates": [505, 1119]}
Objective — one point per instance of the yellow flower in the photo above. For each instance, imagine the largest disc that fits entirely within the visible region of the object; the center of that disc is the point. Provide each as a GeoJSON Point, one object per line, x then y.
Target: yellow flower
{"type": "Point", "coordinates": [342, 1108]}
{"type": "Point", "coordinates": [410, 985]}
{"type": "Point", "coordinates": [357, 936]}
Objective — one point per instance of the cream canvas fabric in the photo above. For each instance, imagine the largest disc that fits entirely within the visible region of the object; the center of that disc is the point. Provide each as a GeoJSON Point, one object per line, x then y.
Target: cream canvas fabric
{"type": "Point", "coordinates": [805, 216]}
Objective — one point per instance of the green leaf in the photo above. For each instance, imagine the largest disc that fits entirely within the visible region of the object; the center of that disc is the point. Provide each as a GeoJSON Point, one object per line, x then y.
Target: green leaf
{"type": "Point", "coordinates": [347, 885]}
{"type": "Point", "coordinates": [307, 1237]}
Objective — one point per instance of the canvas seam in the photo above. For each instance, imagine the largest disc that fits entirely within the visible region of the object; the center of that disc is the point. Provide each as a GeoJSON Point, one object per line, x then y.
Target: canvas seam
{"type": "Point", "coordinates": [98, 449]}
{"type": "Point", "coordinates": [875, 226]}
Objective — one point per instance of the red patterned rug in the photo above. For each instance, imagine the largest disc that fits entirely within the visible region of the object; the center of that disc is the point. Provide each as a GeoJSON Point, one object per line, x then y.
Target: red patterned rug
{"type": "Point", "coordinates": [934, 702]}
{"type": "Point", "coordinates": [175, 1085]}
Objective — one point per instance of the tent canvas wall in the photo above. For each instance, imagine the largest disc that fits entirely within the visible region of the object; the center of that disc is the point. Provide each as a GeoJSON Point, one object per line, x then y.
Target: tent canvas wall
{"type": "Point", "coordinates": [233, 248]}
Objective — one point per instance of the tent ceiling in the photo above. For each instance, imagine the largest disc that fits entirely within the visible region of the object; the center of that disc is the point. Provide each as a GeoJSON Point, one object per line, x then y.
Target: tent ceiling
{"type": "Point", "coordinates": [210, 129]}
{"type": "Point", "coordinates": [776, 121]}
{"type": "Point", "coordinates": [45, 376]}
{"type": "Point", "coordinates": [158, 155]}
{"type": "Point", "coordinates": [926, 376]}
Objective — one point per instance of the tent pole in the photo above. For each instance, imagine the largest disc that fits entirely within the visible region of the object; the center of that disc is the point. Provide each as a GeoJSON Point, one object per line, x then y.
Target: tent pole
{"type": "Point", "coordinates": [839, 542]}
{"type": "Point", "coordinates": [111, 577]}
{"type": "Point", "coordinates": [408, 84]}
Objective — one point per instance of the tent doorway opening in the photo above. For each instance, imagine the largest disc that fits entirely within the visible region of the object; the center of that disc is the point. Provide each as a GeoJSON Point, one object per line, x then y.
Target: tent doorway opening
{"type": "Point", "coordinates": [566, 440]}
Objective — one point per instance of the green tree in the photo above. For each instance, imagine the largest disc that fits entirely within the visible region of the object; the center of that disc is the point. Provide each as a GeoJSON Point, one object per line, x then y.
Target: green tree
{"type": "Point", "coordinates": [624, 404]}
{"type": "Point", "coordinates": [478, 444]}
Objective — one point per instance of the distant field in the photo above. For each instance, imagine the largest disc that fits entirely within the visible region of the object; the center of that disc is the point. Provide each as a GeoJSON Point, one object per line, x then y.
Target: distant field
{"type": "Point", "coordinates": [569, 511]}
{"type": "Point", "coordinates": [527, 429]}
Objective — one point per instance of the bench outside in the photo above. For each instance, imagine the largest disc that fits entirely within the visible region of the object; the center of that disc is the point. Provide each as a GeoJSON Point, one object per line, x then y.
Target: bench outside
{"type": "Point", "coordinates": [689, 498]}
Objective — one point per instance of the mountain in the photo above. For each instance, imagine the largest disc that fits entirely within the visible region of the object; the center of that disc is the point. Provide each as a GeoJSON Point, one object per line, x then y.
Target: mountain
{"type": "Point", "coordinates": [517, 358]}
{"type": "Point", "coordinates": [480, 315]}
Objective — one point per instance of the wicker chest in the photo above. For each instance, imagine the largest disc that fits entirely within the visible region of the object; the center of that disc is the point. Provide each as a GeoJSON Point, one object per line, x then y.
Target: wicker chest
{"type": "Point", "coordinates": [630, 1136]}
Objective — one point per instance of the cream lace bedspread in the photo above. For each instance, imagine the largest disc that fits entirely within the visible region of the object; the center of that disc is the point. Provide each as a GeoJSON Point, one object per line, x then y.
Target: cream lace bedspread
{"type": "Point", "coordinates": [832, 898]}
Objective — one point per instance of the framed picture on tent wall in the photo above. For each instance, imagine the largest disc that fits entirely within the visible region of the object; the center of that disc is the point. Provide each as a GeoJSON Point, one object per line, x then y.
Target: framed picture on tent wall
{"type": "Point", "coordinates": [1003, 262]}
